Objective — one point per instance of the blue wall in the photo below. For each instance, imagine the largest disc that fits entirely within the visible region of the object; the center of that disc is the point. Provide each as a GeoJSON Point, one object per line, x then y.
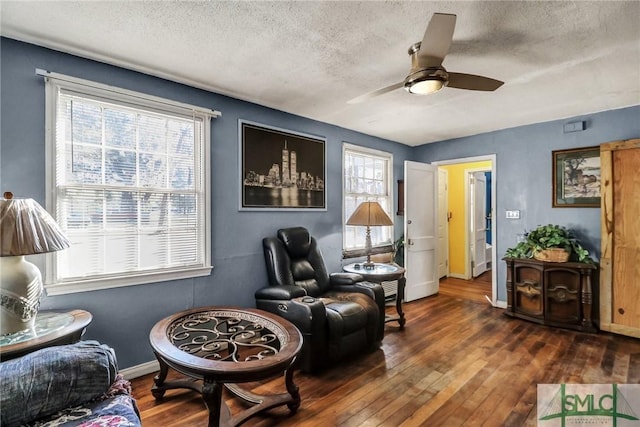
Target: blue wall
{"type": "Point", "coordinates": [123, 317]}
{"type": "Point", "coordinates": [523, 174]}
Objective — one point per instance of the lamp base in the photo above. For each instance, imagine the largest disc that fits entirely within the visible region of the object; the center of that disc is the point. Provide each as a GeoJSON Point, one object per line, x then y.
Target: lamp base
{"type": "Point", "coordinates": [20, 291]}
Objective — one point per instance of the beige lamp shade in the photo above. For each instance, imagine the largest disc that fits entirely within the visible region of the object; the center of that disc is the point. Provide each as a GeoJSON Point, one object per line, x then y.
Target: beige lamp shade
{"type": "Point", "coordinates": [25, 229]}
{"type": "Point", "coordinates": [369, 213]}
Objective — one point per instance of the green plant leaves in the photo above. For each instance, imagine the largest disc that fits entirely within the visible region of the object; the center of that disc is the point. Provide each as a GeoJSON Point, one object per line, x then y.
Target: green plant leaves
{"type": "Point", "coordinates": [546, 237]}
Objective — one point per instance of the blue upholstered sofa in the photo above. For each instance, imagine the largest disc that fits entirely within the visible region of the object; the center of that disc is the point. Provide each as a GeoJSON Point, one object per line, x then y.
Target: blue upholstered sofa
{"type": "Point", "coordinates": [71, 385]}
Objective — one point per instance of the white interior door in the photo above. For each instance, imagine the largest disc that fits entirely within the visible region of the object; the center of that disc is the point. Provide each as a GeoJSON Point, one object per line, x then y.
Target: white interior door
{"type": "Point", "coordinates": [479, 223]}
{"type": "Point", "coordinates": [420, 229]}
{"type": "Point", "coordinates": [443, 223]}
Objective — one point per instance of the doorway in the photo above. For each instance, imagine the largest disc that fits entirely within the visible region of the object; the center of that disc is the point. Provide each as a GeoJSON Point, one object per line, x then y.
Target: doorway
{"type": "Point", "coordinates": [472, 232]}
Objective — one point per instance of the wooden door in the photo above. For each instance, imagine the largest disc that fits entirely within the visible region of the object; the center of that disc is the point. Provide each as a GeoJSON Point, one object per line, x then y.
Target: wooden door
{"type": "Point", "coordinates": [420, 230]}
{"type": "Point", "coordinates": [479, 223]}
{"type": "Point", "coordinates": [443, 223]}
{"type": "Point", "coordinates": [620, 227]}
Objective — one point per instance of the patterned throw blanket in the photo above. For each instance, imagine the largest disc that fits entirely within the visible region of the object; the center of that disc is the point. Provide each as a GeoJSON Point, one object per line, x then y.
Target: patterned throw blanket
{"type": "Point", "coordinates": [70, 385]}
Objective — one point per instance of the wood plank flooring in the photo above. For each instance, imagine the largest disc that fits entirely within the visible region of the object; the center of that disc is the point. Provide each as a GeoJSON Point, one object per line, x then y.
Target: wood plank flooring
{"type": "Point", "coordinates": [474, 289]}
{"type": "Point", "coordinates": [458, 362]}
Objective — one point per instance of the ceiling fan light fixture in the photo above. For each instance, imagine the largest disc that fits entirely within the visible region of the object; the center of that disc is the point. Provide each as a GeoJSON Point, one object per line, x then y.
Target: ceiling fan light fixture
{"type": "Point", "coordinates": [425, 87]}
{"type": "Point", "coordinates": [425, 82]}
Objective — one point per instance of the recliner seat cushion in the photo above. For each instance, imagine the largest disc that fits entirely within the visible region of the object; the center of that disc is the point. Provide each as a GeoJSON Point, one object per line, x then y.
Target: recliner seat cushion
{"type": "Point", "coordinates": [369, 307]}
{"type": "Point", "coordinates": [344, 317]}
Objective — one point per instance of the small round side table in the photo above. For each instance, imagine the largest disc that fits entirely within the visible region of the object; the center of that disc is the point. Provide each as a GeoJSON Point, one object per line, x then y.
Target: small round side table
{"type": "Point", "coordinates": [51, 328]}
{"type": "Point", "coordinates": [382, 273]}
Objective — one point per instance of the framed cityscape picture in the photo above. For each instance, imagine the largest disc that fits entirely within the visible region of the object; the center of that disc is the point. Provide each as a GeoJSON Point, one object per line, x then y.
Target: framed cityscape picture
{"type": "Point", "coordinates": [281, 169]}
{"type": "Point", "coordinates": [576, 178]}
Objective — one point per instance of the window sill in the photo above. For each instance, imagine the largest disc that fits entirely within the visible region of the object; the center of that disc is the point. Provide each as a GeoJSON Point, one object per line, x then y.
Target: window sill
{"type": "Point", "coordinates": [357, 253]}
{"type": "Point", "coordinates": [87, 285]}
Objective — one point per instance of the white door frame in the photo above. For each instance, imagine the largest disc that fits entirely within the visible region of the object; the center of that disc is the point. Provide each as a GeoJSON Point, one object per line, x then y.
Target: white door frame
{"type": "Point", "coordinates": [494, 178]}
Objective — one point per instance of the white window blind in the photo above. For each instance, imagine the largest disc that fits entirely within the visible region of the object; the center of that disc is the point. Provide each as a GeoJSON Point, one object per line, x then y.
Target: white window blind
{"type": "Point", "coordinates": [129, 186]}
{"type": "Point", "coordinates": [367, 177]}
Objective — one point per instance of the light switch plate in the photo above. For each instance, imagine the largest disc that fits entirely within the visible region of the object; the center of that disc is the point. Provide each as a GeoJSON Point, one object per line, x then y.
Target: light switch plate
{"type": "Point", "coordinates": [513, 214]}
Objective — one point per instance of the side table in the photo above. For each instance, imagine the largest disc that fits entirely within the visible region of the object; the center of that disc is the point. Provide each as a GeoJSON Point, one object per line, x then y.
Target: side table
{"type": "Point", "coordinates": [382, 273]}
{"type": "Point", "coordinates": [218, 347]}
{"type": "Point", "coordinates": [51, 328]}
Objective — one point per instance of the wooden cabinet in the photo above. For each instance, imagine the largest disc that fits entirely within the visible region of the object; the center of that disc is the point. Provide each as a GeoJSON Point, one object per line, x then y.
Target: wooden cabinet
{"type": "Point", "coordinates": [620, 240]}
{"type": "Point", "coordinates": [551, 293]}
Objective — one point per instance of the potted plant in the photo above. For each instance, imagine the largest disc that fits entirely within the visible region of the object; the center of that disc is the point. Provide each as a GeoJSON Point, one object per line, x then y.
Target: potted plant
{"type": "Point", "coordinates": [550, 242]}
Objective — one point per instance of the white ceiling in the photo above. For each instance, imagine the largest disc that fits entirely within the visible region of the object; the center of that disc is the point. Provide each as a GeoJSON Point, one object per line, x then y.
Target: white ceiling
{"type": "Point", "coordinates": [558, 59]}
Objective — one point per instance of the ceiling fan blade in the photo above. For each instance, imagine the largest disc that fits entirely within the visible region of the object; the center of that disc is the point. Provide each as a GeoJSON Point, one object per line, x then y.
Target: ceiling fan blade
{"type": "Point", "coordinates": [375, 93]}
{"type": "Point", "coordinates": [473, 82]}
{"type": "Point", "coordinates": [437, 40]}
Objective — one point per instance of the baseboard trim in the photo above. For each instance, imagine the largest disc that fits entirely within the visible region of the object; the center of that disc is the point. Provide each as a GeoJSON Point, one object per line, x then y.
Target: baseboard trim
{"type": "Point", "coordinates": [140, 370]}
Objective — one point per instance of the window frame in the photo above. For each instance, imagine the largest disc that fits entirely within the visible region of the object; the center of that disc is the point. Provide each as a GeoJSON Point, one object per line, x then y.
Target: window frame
{"type": "Point", "coordinates": [371, 152]}
{"type": "Point", "coordinates": [143, 102]}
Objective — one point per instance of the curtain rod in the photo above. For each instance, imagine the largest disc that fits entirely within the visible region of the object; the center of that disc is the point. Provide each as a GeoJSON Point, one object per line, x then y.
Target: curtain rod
{"type": "Point", "coordinates": [78, 81]}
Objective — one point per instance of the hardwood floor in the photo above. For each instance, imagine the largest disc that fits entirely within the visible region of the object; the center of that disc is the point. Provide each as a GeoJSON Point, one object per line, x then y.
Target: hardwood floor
{"type": "Point", "coordinates": [458, 362]}
{"type": "Point", "coordinates": [475, 289]}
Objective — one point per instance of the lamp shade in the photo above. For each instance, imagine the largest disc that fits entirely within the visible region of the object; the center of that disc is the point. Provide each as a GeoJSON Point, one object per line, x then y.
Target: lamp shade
{"type": "Point", "coordinates": [27, 228]}
{"type": "Point", "coordinates": [369, 213]}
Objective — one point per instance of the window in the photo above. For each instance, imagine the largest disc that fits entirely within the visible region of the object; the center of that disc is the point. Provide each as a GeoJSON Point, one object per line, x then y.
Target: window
{"type": "Point", "coordinates": [367, 177]}
{"type": "Point", "coordinates": [128, 179]}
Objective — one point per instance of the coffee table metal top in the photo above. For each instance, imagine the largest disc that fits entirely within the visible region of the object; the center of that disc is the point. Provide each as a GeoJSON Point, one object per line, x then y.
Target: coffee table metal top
{"type": "Point", "coordinates": [226, 342]}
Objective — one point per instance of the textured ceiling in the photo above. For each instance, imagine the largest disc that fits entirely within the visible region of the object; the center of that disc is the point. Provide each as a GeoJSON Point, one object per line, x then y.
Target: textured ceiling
{"type": "Point", "coordinates": [558, 59]}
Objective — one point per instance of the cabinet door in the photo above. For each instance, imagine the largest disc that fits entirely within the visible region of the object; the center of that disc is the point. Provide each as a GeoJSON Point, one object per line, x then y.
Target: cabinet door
{"type": "Point", "coordinates": [562, 294]}
{"type": "Point", "coordinates": [527, 288]}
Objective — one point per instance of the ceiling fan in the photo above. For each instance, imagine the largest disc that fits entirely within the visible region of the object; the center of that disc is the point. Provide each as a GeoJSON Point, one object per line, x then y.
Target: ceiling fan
{"type": "Point", "coordinates": [427, 75]}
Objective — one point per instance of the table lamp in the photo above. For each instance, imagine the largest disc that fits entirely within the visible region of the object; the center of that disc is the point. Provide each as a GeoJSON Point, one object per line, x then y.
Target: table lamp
{"type": "Point", "coordinates": [26, 228]}
{"type": "Point", "coordinates": [369, 214]}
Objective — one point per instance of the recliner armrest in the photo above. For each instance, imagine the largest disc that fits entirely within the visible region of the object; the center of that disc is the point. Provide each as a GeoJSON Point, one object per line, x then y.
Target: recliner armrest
{"type": "Point", "coordinates": [307, 313]}
{"type": "Point", "coordinates": [373, 290]}
{"type": "Point", "coordinates": [280, 292]}
{"type": "Point", "coordinates": [339, 279]}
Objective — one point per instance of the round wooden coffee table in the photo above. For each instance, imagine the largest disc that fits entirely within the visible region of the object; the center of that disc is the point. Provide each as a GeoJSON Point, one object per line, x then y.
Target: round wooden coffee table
{"type": "Point", "coordinates": [216, 347]}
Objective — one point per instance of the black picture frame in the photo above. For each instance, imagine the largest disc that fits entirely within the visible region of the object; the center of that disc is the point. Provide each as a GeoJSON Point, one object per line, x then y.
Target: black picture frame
{"type": "Point", "coordinates": [576, 178]}
{"type": "Point", "coordinates": [281, 169]}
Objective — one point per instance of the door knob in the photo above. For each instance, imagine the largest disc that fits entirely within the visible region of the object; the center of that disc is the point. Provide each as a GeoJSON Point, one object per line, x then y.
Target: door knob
{"type": "Point", "coordinates": [408, 221]}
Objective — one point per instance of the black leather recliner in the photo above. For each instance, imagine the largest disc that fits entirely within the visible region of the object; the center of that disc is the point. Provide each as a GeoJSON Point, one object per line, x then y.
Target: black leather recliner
{"type": "Point", "coordinates": [339, 314]}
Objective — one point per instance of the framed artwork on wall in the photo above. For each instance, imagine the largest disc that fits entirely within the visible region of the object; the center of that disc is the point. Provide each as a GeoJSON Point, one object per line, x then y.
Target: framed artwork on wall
{"type": "Point", "coordinates": [576, 178]}
{"type": "Point", "coordinates": [281, 169]}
